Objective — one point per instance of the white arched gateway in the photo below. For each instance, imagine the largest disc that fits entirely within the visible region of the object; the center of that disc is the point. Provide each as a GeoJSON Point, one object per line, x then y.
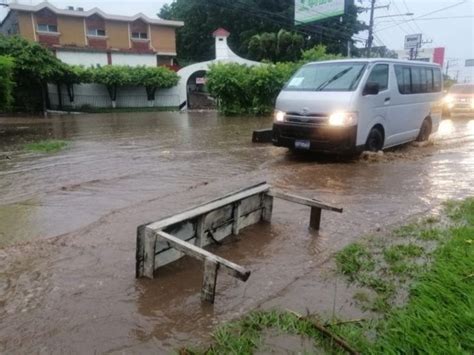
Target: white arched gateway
{"type": "Point", "coordinates": [223, 55]}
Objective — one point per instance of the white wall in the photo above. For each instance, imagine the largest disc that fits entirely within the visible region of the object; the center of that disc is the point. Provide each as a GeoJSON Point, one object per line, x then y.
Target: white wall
{"type": "Point", "coordinates": [96, 95]}
{"type": "Point", "coordinates": [86, 59]}
{"type": "Point", "coordinates": [133, 60]}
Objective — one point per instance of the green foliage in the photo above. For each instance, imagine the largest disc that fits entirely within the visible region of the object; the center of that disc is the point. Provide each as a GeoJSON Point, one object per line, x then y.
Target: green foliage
{"type": "Point", "coordinates": [318, 53]}
{"type": "Point", "coordinates": [6, 82]}
{"type": "Point", "coordinates": [276, 47]}
{"type": "Point", "coordinates": [153, 78]}
{"type": "Point", "coordinates": [34, 67]}
{"type": "Point", "coordinates": [115, 76]}
{"type": "Point", "coordinates": [46, 146]}
{"type": "Point", "coordinates": [241, 89]}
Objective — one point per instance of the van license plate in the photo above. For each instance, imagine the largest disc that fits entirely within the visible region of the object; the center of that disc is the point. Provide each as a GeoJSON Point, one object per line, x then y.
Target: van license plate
{"type": "Point", "coordinates": [302, 144]}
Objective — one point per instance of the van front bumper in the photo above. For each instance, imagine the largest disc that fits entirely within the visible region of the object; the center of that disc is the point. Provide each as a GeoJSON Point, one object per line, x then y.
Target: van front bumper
{"type": "Point", "coordinates": [322, 138]}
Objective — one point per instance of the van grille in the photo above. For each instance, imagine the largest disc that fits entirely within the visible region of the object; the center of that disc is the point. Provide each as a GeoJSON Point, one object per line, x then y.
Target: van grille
{"type": "Point", "coordinates": [310, 118]}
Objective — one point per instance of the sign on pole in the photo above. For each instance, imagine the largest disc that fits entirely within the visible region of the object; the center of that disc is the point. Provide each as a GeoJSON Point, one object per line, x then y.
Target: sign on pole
{"type": "Point", "coordinates": [413, 41]}
{"type": "Point", "coordinates": [469, 63]}
{"type": "Point", "coordinates": [313, 10]}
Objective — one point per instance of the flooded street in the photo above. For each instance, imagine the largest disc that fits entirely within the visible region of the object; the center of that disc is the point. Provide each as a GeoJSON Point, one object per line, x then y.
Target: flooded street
{"type": "Point", "coordinates": [68, 223]}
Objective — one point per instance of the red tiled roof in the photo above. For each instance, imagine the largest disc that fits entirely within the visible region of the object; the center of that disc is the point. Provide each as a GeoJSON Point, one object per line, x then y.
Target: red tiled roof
{"type": "Point", "coordinates": [220, 32]}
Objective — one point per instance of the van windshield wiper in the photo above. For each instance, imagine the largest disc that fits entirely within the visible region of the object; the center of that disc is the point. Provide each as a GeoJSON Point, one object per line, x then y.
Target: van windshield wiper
{"type": "Point", "coordinates": [334, 78]}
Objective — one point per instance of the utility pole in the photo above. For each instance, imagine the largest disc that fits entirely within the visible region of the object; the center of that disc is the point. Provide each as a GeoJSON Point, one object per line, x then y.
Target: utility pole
{"type": "Point", "coordinates": [372, 9]}
{"type": "Point", "coordinates": [371, 28]}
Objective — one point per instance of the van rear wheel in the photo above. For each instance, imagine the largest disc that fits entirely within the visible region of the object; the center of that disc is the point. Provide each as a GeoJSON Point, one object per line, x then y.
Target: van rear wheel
{"type": "Point", "coordinates": [425, 131]}
{"type": "Point", "coordinates": [374, 140]}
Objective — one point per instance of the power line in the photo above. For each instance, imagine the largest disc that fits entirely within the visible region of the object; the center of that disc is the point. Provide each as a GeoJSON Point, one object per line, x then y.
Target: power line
{"type": "Point", "coordinates": [414, 22]}
{"type": "Point", "coordinates": [430, 13]}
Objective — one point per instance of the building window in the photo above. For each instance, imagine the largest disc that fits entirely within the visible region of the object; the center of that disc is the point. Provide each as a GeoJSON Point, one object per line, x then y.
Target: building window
{"type": "Point", "coordinates": [139, 35]}
{"type": "Point", "coordinates": [96, 32]}
{"type": "Point", "coordinates": [47, 28]}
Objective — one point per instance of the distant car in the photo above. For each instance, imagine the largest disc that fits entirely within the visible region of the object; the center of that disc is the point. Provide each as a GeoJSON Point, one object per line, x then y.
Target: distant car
{"type": "Point", "coordinates": [460, 99]}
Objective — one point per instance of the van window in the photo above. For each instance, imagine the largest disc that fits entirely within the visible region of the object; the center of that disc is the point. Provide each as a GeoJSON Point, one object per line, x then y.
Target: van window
{"type": "Point", "coordinates": [337, 76]}
{"type": "Point", "coordinates": [417, 79]}
{"type": "Point", "coordinates": [379, 75]}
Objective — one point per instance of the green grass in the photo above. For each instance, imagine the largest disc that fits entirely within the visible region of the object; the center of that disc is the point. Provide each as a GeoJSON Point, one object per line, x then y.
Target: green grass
{"type": "Point", "coordinates": [46, 146]}
{"type": "Point", "coordinates": [397, 253]}
{"type": "Point", "coordinates": [438, 317]}
{"type": "Point", "coordinates": [354, 259]}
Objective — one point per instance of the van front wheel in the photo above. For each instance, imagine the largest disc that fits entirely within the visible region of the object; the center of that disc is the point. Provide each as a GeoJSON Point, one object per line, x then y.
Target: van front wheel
{"type": "Point", "coordinates": [374, 140]}
{"type": "Point", "coordinates": [425, 131]}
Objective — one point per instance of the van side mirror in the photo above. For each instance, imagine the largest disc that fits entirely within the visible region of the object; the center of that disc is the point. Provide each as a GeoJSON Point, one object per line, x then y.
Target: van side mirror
{"type": "Point", "coordinates": [371, 88]}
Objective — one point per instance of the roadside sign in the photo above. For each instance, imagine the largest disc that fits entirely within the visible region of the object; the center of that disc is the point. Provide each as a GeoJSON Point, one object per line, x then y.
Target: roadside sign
{"type": "Point", "coordinates": [469, 63]}
{"type": "Point", "coordinates": [413, 41]}
{"type": "Point", "coordinates": [314, 10]}
{"type": "Point", "coordinates": [201, 81]}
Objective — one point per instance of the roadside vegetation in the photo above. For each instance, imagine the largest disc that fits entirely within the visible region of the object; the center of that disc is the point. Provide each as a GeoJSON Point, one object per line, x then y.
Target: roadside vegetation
{"type": "Point", "coordinates": [32, 67]}
{"type": "Point", "coordinates": [419, 282]}
{"type": "Point", "coordinates": [6, 83]}
{"type": "Point", "coordinates": [46, 146]}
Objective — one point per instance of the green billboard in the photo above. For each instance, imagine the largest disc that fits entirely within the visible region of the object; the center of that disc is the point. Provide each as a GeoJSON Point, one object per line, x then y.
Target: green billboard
{"type": "Point", "coordinates": [313, 10]}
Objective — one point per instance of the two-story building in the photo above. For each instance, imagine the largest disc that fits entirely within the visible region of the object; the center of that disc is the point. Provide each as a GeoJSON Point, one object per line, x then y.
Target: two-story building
{"type": "Point", "coordinates": [93, 37]}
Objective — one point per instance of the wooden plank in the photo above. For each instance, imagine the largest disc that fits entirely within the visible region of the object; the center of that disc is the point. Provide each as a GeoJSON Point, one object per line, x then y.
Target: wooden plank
{"type": "Point", "coordinates": [267, 208]}
{"type": "Point", "coordinates": [140, 252]}
{"type": "Point", "coordinates": [236, 217]}
{"type": "Point", "coordinates": [208, 207]}
{"type": "Point", "coordinates": [303, 201]}
{"type": "Point", "coordinates": [201, 254]}
{"type": "Point", "coordinates": [149, 254]}
{"type": "Point", "coordinates": [315, 218]}
{"type": "Point", "coordinates": [200, 236]}
{"type": "Point", "coordinates": [209, 280]}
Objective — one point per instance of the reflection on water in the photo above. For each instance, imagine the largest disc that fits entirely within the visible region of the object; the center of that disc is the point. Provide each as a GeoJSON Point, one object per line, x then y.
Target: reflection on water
{"type": "Point", "coordinates": [446, 128]}
{"type": "Point", "coordinates": [470, 127]}
{"type": "Point", "coordinates": [122, 170]}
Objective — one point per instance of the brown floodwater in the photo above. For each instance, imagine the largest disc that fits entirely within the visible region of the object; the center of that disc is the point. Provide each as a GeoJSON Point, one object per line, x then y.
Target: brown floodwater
{"type": "Point", "coordinates": [68, 222]}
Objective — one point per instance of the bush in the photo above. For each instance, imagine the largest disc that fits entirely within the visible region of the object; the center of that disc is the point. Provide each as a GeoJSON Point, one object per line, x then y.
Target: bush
{"type": "Point", "coordinates": [6, 82]}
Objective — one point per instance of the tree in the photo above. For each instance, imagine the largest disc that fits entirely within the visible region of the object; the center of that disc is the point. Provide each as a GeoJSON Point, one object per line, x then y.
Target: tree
{"type": "Point", "coordinates": [113, 77]}
{"type": "Point", "coordinates": [153, 78]}
{"type": "Point", "coordinates": [6, 82]}
{"type": "Point", "coordinates": [283, 46]}
{"type": "Point", "coordinates": [72, 75]}
{"type": "Point", "coordinates": [34, 67]}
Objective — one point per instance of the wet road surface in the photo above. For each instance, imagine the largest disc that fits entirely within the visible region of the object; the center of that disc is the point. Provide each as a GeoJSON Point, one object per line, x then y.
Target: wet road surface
{"type": "Point", "coordinates": [68, 222]}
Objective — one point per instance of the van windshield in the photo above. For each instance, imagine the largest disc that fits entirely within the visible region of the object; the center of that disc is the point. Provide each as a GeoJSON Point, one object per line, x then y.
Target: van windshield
{"type": "Point", "coordinates": [344, 76]}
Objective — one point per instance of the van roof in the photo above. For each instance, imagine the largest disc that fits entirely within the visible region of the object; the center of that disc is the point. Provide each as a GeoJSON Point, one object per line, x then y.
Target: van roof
{"type": "Point", "coordinates": [379, 60]}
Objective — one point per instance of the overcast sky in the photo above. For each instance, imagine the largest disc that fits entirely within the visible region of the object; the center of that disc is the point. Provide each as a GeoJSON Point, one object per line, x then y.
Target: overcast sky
{"type": "Point", "coordinates": [456, 34]}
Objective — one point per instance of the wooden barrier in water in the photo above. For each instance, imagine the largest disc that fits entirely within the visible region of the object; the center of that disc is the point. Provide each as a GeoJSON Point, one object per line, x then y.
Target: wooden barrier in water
{"type": "Point", "coordinates": [187, 233]}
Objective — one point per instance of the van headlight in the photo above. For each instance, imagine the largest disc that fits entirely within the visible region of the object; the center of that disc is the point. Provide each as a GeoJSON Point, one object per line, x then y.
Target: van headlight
{"type": "Point", "coordinates": [279, 116]}
{"type": "Point", "coordinates": [342, 119]}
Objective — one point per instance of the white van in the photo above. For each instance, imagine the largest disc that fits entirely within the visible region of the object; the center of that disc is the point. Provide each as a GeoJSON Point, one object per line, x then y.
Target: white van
{"type": "Point", "coordinates": [351, 105]}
